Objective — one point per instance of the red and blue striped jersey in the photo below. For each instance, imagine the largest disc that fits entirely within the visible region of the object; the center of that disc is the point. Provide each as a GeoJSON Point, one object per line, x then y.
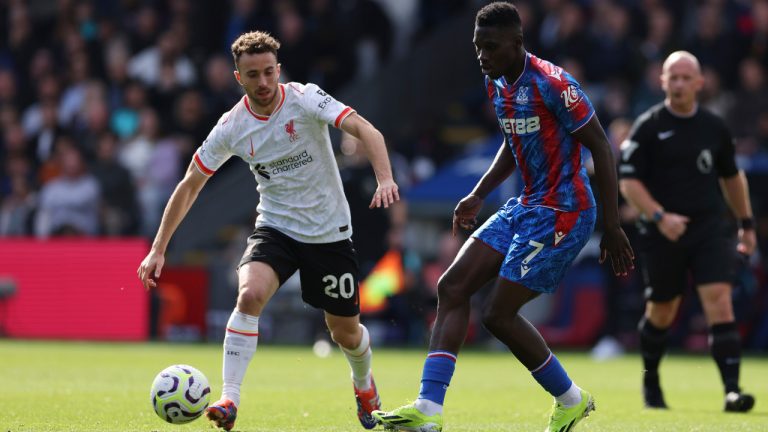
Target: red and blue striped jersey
{"type": "Point", "coordinates": [537, 114]}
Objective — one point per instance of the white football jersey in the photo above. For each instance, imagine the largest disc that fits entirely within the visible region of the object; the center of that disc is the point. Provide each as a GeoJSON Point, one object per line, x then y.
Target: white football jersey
{"type": "Point", "coordinates": [290, 154]}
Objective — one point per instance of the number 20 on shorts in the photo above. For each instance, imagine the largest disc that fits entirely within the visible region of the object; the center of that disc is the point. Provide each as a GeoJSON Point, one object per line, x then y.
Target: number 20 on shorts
{"type": "Point", "coordinates": [344, 286]}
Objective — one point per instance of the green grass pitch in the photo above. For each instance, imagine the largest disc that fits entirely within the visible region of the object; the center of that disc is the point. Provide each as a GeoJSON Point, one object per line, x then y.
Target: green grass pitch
{"type": "Point", "coordinates": [58, 386]}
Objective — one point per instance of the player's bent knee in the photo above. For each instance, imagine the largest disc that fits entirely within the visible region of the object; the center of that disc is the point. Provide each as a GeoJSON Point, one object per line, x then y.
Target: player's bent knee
{"type": "Point", "coordinates": [450, 293]}
{"type": "Point", "coordinates": [343, 340]}
{"type": "Point", "coordinates": [346, 339]}
{"type": "Point", "coordinates": [662, 317]}
{"type": "Point", "coordinates": [715, 294]}
{"type": "Point", "coordinates": [662, 314]}
{"type": "Point", "coordinates": [250, 298]}
{"type": "Point", "coordinates": [718, 310]}
{"type": "Point", "coordinates": [722, 302]}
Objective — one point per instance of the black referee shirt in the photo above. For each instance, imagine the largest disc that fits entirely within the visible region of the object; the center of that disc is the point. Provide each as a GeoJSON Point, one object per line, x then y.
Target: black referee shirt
{"type": "Point", "coordinates": [680, 159]}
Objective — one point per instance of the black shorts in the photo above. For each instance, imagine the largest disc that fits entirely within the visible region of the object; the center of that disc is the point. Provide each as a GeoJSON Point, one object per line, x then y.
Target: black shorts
{"type": "Point", "coordinates": [329, 271]}
{"type": "Point", "coordinates": [707, 250]}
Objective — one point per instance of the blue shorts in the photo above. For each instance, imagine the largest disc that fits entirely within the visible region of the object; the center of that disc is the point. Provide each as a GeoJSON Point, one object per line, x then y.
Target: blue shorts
{"type": "Point", "coordinates": [538, 243]}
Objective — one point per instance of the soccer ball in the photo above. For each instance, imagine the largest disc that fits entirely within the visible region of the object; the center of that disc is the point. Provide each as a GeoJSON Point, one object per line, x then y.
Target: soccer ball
{"type": "Point", "coordinates": [180, 394]}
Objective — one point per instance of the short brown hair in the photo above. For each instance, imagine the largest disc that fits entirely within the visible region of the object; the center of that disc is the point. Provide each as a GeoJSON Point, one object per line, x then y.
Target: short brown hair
{"type": "Point", "coordinates": [255, 42]}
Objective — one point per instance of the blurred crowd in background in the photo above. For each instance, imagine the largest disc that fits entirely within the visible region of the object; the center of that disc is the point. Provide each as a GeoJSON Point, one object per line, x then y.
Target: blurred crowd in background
{"type": "Point", "coordinates": [110, 99]}
{"type": "Point", "coordinates": [102, 104]}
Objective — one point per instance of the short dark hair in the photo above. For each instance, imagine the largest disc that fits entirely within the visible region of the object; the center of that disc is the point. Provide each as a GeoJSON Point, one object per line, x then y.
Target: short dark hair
{"type": "Point", "coordinates": [255, 42]}
{"type": "Point", "coordinates": [498, 14]}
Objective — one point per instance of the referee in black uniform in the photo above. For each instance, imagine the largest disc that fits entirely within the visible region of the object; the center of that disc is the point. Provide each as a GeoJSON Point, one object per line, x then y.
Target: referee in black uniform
{"type": "Point", "coordinates": [677, 168]}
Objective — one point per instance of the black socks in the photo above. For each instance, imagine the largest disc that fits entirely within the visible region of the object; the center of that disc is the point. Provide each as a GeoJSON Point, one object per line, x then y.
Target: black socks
{"type": "Point", "coordinates": [653, 344]}
{"type": "Point", "coordinates": [725, 344]}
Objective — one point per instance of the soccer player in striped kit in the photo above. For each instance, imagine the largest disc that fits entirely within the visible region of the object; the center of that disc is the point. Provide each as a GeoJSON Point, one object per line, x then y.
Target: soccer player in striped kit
{"type": "Point", "coordinates": [531, 241]}
{"type": "Point", "coordinates": [281, 131]}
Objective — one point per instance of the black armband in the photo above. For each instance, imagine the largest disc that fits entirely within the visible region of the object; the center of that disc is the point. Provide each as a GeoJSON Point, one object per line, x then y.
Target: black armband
{"type": "Point", "coordinates": [747, 223]}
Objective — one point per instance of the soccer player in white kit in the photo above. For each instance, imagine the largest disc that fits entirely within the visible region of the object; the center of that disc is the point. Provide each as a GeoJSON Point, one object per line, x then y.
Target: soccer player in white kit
{"type": "Point", "coordinates": [281, 131]}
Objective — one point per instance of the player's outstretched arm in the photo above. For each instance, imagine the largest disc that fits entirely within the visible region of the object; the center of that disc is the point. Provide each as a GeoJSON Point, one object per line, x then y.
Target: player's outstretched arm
{"type": "Point", "coordinates": [376, 151]}
{"type": "Point", "coordinates": [178, 205]}
{"type": "Point", "coordinates": [614, 244]}
{"type": "Point", "coordinates": [465, 214]}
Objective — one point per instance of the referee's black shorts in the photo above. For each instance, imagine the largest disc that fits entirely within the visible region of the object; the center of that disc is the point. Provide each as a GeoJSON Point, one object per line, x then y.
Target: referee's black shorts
{"type": "Point", "coordinates": [706, 252]}
{"type": "Point", "coordinates": [328, 271]}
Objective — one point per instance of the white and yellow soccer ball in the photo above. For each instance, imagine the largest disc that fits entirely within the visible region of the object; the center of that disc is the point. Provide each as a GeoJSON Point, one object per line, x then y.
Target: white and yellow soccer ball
{"type": "Point", "coordinates": [180, 394]}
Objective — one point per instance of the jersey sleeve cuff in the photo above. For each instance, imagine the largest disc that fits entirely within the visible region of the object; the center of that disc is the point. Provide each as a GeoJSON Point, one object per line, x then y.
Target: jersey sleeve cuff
{"type": "Point", "coordinates": [201, 166]}
{"type": "Point", "coordinates": [344, 114]}
{"type": "Point", "coordinates": [583, 122]}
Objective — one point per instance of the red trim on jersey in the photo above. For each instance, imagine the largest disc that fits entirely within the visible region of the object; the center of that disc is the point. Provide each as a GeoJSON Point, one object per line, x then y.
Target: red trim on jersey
{"type": "Point", "coordinates": [525, 69]}
{"type": "Point", "coordinates": [205, 170]}
{"type": "Point", "coordinates": [344, 114]}
{"type": "Point", "coordinates": [229, 329]}
{"type": "Point", "coordinates": [263, 117]}
{"type": "Point", "coordinates": [579, 113]}
{"type": "Point", "coordinates": [294, 88]}
{"type": "Point", "coordinates": [551, 145]}
{"type": "Point", "coordinates": [578, 182]}
{"type": "Point", "coordinates": [585, 123]}
{"type": "Point", "coordinates": [491, 88]}
{"type": "Point", "coordinates": [516, 146]}
{"type": "Point", "coordinates": [582, 196]}
{"type": "Point", "coordinates": [564, 223]}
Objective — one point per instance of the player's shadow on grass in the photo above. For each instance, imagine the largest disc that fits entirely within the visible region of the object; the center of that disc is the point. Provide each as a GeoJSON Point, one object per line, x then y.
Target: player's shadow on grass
{"type": "Point", "coordinates": [703, 411]}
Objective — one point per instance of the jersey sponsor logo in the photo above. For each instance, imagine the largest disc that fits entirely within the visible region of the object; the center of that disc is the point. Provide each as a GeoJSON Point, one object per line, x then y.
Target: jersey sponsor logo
{"type": "Point", "coordinates": [524, 267]}
{"type": "Point", "coordinates": [260, 170]}
{"type": "Point", "coordinates": [324, 103]}
{"type": "Point", "coordinates": [570, 96]}
{"type": "Point", "coordinates": [522, 95]}
{"type": "Point", "coordinates": [290, 129]}
{"type": "Point", "coordinates": [283, 165]}
{"type": "Point", "coordinates": [704, 161]}
{"type": "Point", "coordinates": [665, 135]}
{"type": "Point", "coordinates": [520, 126]}
{"type": "Point", "coordinates": [627, 148]}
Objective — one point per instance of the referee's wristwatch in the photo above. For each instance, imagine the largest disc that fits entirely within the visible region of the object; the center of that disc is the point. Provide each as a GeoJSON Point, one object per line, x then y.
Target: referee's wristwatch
{"type": "Point", "coordinates": [658, 215]}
